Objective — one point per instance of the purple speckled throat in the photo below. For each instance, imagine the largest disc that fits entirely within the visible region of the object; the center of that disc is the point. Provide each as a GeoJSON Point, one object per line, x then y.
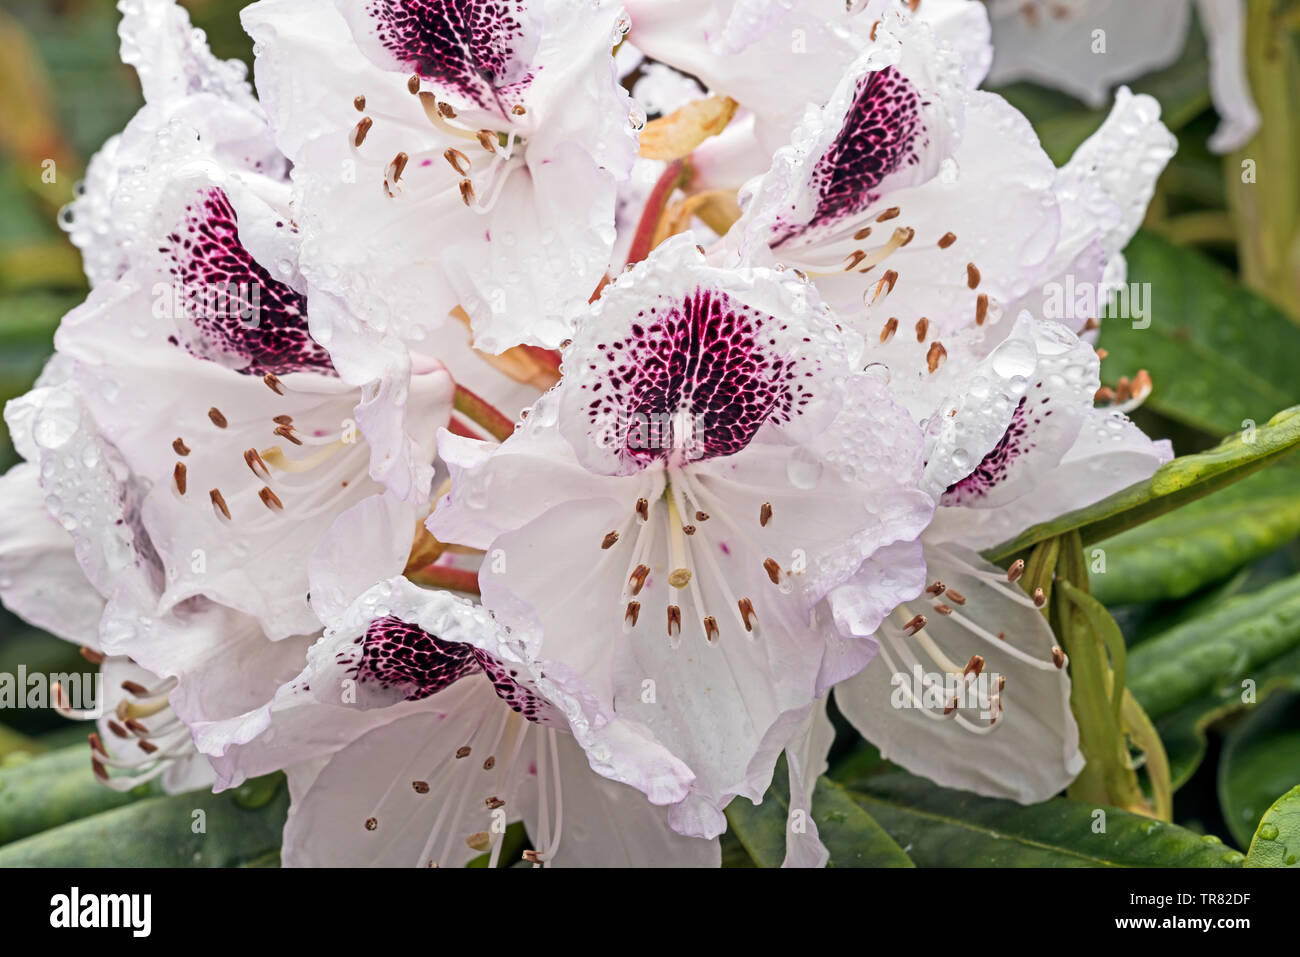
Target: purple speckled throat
{"type": "Point", "coordinates": [242, 312]}
{"type": "Point", "coordinates": [882, 134]}
{"type": "Point", "coordinates": [695, 378]}
{"type": "Point", "coordinates": [473, 48]}
{"type": "Point", "coordinates": [396, 655]}
{"type": "Point", "coordinates": [992, 470]}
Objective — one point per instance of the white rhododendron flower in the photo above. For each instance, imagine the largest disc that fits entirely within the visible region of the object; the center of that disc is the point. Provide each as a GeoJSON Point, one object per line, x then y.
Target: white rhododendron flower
{"type": "Point", "coordinates": [674, 511]}
{"type": "Point", "coordinates": [1086, 47]}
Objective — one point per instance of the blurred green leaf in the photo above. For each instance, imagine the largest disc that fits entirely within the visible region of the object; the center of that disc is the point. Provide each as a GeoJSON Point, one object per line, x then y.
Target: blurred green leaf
{"type": "Point", "coordinates": [1260, 760]}
{"type": "Point", "coordinates": [1185, 479]}
{"type": "Point", "coordinates": [53, 789]}
{"type": "Point", "coordinates": [853, 838]}
{"type": "Point", "coordinates": [1203, 542]}
{"type": "Point", "coordinates": [1277, 839]}
{"type": "Point", "coordinates": [161, 832]}
{"type": "Point", "coordinates": [1218, 354]}
{"type": "Point", "coordinates": [939, 827]}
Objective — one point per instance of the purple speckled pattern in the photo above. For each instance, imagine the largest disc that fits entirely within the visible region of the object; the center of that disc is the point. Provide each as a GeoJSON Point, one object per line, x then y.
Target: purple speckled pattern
{"type": "Point", "coordinates": [882, 134]}
{"type": "Point", "coordinates": [705, 360]}
{"type": "Point", "coordinates": [236, 307]}
{"type": "Point", "coordinates": [470, 47]}
{"type": "Point", "coordinates": [1017, 441]}
{"type": "Point", "coordinates": [397, 655]}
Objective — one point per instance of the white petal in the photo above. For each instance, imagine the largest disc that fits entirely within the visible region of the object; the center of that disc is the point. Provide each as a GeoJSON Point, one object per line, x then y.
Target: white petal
{"type": "Point", "coordinates": [1224, 24]}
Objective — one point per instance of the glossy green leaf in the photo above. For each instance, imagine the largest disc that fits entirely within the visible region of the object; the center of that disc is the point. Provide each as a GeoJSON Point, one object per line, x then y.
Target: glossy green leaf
{"type": "Point", "coordinates": [53, 789]}
{"type": "Point", "coordinates": [1277, 839]}
{"type": "Point", "coordinates": [163, 832]}
{"type": "Point", "coordinates": [1260, 760]}
{"type": "Point", "coordinates": [1216, 650]}
{"type": "Point", "coordinates": [849, 833]}
{"type": "Point", "coordinates": [1218, 354]}
{"type": "Point", "coordinates": [939, 827]}
{"type": "Point", "coordinates": [1175, 484]}
{"type": "Point", "coordinates": [1204, 542]}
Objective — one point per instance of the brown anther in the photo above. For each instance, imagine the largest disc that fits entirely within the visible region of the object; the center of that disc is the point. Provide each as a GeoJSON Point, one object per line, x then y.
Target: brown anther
{"type": "Point", "coordinates": [747, 613]}
{"type": "Point", "coordinates": [466, 192]}
{"type": "Point", "coordinates": [270, 499]}
{"type": "Point", "coordinates": [361, 130]}
{"type": "Point", "coordinates": [711, 628]}
{"type": "Point", "coordinates": [1040, 598]}
{"type": "Point", "coordinates": [494, 802]}
{"type": "Point", "coordinates": [854, 258]}
{"type": "Point", "coordinates": [178, 476]}
{"type": "Point", "coordinates": [952, 706]}
{"type": "Point", "coordinates": [219, 502]}
{"type": "Point", "coordinates": [637, 581]}
{"type": "Point", "coordinates": [255, 464]}
{"type": "Point", "coordinates": [489, 763]}
{"type": "Point", "coordinates": [148, 747]}
{"type": "Point", "coordinates": [935, 355]}
{"type": "Point", "coordinates": [1105, 395]}
{"type": "Point", "coordinates": [217, 418]}
{"type": "Point", "coordinates": [915, 625]}
{"type": "Point", "coordinates": [891, 213]}
{"type": "Point", "coordinates": [1123, 389]}
{"type": "Point", "coordinates": [518, 109]}
{"type": "Point", "coordinates": [1016, 570]}
{"type": "Point", "coordinates": [91, 655]}
{"type": "Point", "coordinates": [1002, 682]}
{"type": "Point", "coordinates": [397, 167]}
{"type": "Point", "coordinates": [134, 688]}
{"type": "Point", "coordinates": [632, 614]}
{"type": "Point", "coordinates": [874, 27]}
{"type": "Point", "coordinates": [532, 857]}
{"type": "Point", "coordinates": [943, 609]}
{"type": "Point", "coordinates": [609, 540]}
{"type": "Point", "coordinates": [688, 529]}
{"type": "Point", "coordinates": [458, 160]}
{"type": "Point", "coordinates": [283, 420]}
{"type": "Point", "coordinates": [701, 516]}
{"type": "Point", "coordinates": [1141, 382]}
{"type": "Point", "coordinates": [421, 787]}
{"type": "Point", "coordinates": [974, 666]}
{"type": "Point", "coordinates": [413, 84]}
{"type": "Point", "coordinates": [487, 139]}
{"type": "Point", "coordinates": [947, 239]}
{"type": "Point", "coordinates": [446, 110]}
{"type": "Point", "coordinates": [137, 726]}
{"type": "Point", "coordinates": [1092, 325]}
{"type": "Point", "coordinates": [1058, 657]}
{"type": "Point", "coordinates": [981, 308]}
{"type": "Point", "coordinates": [463, 752]}
{"type": "Point", "coordinates": [886, 283]}
{"type": "Point", "coordinates": [286, 432]}
{"type": "Point", "coordinates": [1102, 354]}
{"type": "Point", "coordinates": [972, 276]}
{"type": "Point", "coordinates": [643, 509]}
{"type": "Point", "coordinates": [765, 514]}
{"type": "Point", "coordinates": [180, 448]}
{"type": "Point", "coordinates": [862, 233]}
{"type": "Point", "coordinates": [887, 333]}
{"type": "Point", "coordinates": [371, 823]}
{"type": "Point", "coordinates": [679, 577]}
{"type": "Point", "coordinates": [936, 589]}
{"type": "Point", "coordinates": [95, 744]}
{"type": "Point", "coordinates": [99, 769]}
{"type": "Point", "coordinates": [773, 570]}
{"type": "Point", "coordinates": [273, 383]}
{"type": "Point", "coordinates": [117, 729]}
{"type": "Point", "coordinates": [956, 597]}
{"type": "Point", "coordinates": [360, 103]}
{"type": "Point", "coordinates": [922, 328]}
{"type": "Point", "coordinates": [902, 236]}
{"type": "Point", "coordinates": [674, 621]}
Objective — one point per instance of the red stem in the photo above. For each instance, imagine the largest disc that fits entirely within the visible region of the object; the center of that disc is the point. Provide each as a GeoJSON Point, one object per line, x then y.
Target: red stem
{"type": "Point", "coordinates": [673, 176]}
{"type": "Point", "coordinates": [444, 576]}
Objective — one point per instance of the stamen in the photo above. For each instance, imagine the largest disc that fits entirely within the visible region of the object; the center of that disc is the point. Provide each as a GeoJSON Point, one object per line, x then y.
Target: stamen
{"type": "Point", "coordinates": [887, 333]}
{"type": "Point", "coordinates": [256, 465]}
{"type": "Point", "coordinates": [360, 103]}
{"type": "Point", "coordinates": [458, 160]}
{"type": "Point", "coordinates": [956, 597]}
{"type": "Point", "coordinates": [972, 276]}
{"type": "Point", "coordinates": [631, 615]}
{"type": "Point", "coordinates": [674, 621]}
{"type": "Point", "coordinates": [1040, 599]}
{"type": "Point", "coordinates": [765, 514]}
{"type": "Point", "coordinates": [219, 502]}
{"type": "Point", "coordinates": [975, 666]}
{"type": "Point", "coordinates": [608, 541]}
{"type": "Point", "coordinates": [981, 308]}
{"type": "Point", "coordinates": [270, 499]}
{"type": "Point", "coordinates": [462, 752]}
{"type": "Point", "coordinates": [922, 327]}
{"type": "Point", "coordinates": [935, 356]}
{"type": "Point", "coordinates": [914, 625]}
{"type": "Point", "coordinates": [947, 239]}
{"type": "Point", "coordinates": [711, 632]}
{"type": "Point", "coordinates": [637, 581]}
{"type": "Point", "coordinates": [701, 516]}
{"type": "Point", "coordinates": [467, 192]}
{"type": "Point", "coordinates": [217, 418]}
{"type": "Point", "coordinates": [1058, 657]}
{"type": "Point", "coordinates": [891, 213]}
{"type": "Point", "coordinates": [421, 787]}
{"type": "Point", "coordinates": [413, 84]}
{"type": "Point", "coordinates": [488, 140]}
{"type": "Point", "coordinates": [862, 233]}
{"type": "Point", "coordinates": [747, 613]}
{"type": "Point", "coordinates": [360, 131]}
{"type": "Point", "coordinates": [286, 432]}
{"type": "Point", "coordinates": [773, 570]}
{"type": "Point", "coordinates": [642, 509]}
{"type": "Point", "coordinates": [943, 609]}
{"type": "Point", "coordinates": [937, 589]}
{"type": "Point", "coordinates": [178, 474]}
{"type": "Point", "coordinates": [180, 448]}
{"type": "Point", "coordinates": [1016, 570]}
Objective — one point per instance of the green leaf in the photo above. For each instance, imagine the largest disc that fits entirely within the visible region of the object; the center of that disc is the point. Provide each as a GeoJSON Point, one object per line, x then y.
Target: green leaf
{"type": "Point", "coordinates": [1277, 839]}
{"type": "Point", "coordinates": [1260, 759]}
{"type": "Point", "coordinates": [1185, 731]}
{"type": "Point", "coordinates": [162, 832]}
{"type": "Point", "coordinates": [1204, 542]}
{"type": "Point", "coordinates": [1218, 353]}
{"type": "Point", "coordinates": [853, 838]}
{"type": "Point", "coordinates": [53, 789]}
{"type": "Point", "coordinates": [939, 827]}
{"type": "Point", "coordinates": [1216, 650]}
{"type": "Point", "coordinates": [1175, 484]}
